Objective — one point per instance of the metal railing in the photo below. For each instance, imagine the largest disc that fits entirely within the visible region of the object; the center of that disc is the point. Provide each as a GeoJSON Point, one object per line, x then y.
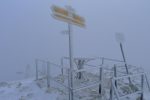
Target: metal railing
{"type": "Point", "coordinates": [54, 73]}
{"type": "Point", "coordinates": [131, 93]}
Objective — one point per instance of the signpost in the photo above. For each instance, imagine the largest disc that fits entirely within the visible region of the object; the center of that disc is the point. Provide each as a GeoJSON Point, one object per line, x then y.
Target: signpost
{"type": "Point", "coordinates": [120, 39]}
{"type": "Point", "coordinates": [68, 15]}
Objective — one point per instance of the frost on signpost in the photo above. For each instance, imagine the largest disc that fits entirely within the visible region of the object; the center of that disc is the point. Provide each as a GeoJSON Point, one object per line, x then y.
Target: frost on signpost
{"type": "Point", "coordinates": [120, 38]}
{"type": "Point", "coordinates": [69, 16]}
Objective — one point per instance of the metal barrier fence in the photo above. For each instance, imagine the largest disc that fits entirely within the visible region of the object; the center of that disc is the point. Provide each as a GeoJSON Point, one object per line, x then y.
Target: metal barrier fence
{"type": "Point", "coordinates": [125, 89]}
{"type": "Point", "coordinates": [89, 78]}
{"type": "Point", "coordinates": [41, 68]}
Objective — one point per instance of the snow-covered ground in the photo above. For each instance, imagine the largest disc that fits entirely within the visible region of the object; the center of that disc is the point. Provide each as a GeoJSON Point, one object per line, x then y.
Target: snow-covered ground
{"type": "Point", "coordinates": [30, 89]}
{"type": "Point", "coordinates": [25, 90]}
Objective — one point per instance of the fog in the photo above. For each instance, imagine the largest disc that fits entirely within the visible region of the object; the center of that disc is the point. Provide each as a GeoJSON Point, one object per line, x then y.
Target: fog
{"type": "Point", "coordinates": [28, 31]}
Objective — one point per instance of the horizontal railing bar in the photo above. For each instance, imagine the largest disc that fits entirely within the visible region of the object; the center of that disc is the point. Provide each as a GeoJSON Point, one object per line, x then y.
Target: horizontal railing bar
{"type": "Point", "coordinates": [55, 64]}
{"type": "Point", "coordinates": [82, 58]}
{"type": "Point", "coordinates": [87, 86]}
{"type": "Point", "coordinates": [127, 76]}
{"type": "Point", "coordinates": [51, 63]}
{"type": "Point", "coordinates": [42, 60]}
{"type": "Point", "coordinates": [59, 66]}
{"type": "Point", "coordinates": [109, 59]}
{"type": "Point", "coordinates": [137, 92]}
{"type": "Point", "coordinates": [59, 82]}
{"type": "Point", "coordinates": [103, 58]}
{"type": "Point", "coordinates": [92, 65]}
{"type": "Point", "coordinates": [82, 70]}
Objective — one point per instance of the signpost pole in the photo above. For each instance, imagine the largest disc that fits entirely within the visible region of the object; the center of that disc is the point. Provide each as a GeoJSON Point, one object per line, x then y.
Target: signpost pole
{"type": "Point", "coordinates": [126, 66]}
{"type": "Point", "coordinates": [70, 55]}
{"type": "Point", "coordinates": [68, 15]}
{"type": "Point", "coordinates": [120, 39]}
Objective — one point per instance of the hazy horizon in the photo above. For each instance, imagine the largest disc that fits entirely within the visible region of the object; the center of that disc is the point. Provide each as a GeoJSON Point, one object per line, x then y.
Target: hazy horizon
{"type": "Point", "coordinates": [28, 31]}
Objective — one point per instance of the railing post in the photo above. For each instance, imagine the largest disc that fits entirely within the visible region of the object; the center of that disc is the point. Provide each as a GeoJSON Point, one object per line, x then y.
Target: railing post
{"type": "Point", "coordinates": [111, 92]}
{"type": "Point", "coordinates": [62, 65]}
{"type": "Point", "coordinates": [48, 74]}
{"type": "Point", "coordinates": [102, 60]}
{"type": "Point", "coordinates": [114, 90]}
{"type": "Point", "coordinates": [36, 65]}
{"type": "Point", "coordinates": [100, 78]}
{"type": "Point", "coordinates": [142, 86]}
{"type": "Point", "coordinates": [147, 82]}
{"type": "Point", "coordinates": [115, 75]}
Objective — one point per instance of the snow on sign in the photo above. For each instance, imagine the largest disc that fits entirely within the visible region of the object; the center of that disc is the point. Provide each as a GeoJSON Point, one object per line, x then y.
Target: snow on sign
{"type": "Point", "coordinates": [67, 15]}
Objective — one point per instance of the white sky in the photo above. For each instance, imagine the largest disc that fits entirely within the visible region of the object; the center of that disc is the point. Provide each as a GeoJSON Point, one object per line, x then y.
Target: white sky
{"type": "Point", "coordinates": [27, 31]}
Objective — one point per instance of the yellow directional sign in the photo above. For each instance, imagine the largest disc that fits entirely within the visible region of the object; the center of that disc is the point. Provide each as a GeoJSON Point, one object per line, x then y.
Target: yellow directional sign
{"type": "Point", "coordinates": [65, 15]}
{"type": "Point", "coordinates": [78, 20]}
{"type": "Point", "coordinates": [61, 11]}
